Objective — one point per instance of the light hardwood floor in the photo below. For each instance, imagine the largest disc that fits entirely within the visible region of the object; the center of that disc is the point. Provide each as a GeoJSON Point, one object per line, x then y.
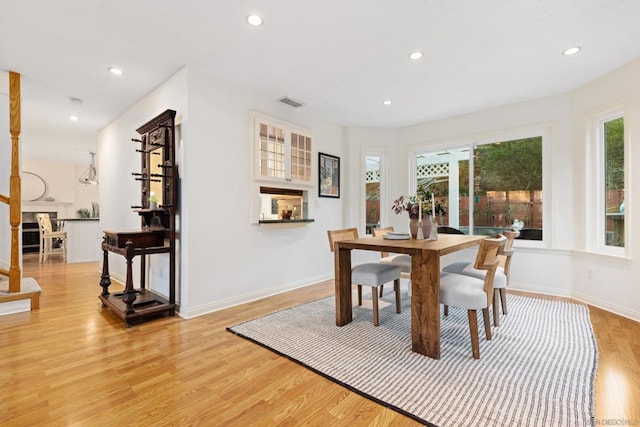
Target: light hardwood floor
{"type": "Point", "coordinates": [74, 363]}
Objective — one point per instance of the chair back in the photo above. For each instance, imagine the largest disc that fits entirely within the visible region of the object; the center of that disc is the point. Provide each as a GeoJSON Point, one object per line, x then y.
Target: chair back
{"type": "Point", "coordinates": [508, 250]}
{"type": "Point", "coordinates": [339, 235]}
{"type": "Point", "coordinates": [445, 229]}
{"type": "Point", "coordinates": [381, 232]}
{"type": "Point", "coordinates": [44, 223]}
{"type": "Point", "coordinates": [487, 259]}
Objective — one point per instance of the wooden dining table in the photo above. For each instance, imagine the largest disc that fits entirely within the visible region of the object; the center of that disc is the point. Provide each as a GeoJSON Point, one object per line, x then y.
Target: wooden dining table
{"type": "Point", "coordinates": [425, 281]}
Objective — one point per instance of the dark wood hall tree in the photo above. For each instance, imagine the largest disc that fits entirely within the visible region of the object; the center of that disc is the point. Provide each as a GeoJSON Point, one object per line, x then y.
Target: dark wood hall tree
{"type": "Point", "coordinates": [157, 234]}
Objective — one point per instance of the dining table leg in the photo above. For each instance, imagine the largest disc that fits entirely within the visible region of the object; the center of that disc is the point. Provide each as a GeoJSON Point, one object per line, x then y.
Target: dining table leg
{"type": "Point", "coordinates": [342, 280]}
{"type": "Point", "coordinates": [425, 303]}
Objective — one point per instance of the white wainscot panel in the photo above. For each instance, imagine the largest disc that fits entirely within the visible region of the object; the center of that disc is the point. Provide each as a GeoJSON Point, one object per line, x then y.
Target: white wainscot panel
{"type": "Point", "coordinates": [84, 239]}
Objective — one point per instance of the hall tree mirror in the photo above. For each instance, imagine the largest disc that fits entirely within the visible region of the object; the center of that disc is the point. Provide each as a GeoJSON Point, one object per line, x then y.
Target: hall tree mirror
{"type": "Point", "coordinates": [156, 184]}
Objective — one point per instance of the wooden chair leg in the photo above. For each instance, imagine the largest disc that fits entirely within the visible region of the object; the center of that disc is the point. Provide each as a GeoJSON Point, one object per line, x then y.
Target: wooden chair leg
{"type": "Point", "coordinates": [503, 300]}
{"type": "Point", "coordinates": [473, 330]}
{"type": "Point", "coordinates": [496, 315]}
{"type": "Point", "coordinates": [381, 289]}
{"type": "Point", "coordinates": [446, 310]}
{"type": "Point", "coordinates": [374, 299]}
{"type": "Point", "coordinates": [396, 288]}
{"type": "Point", "coordinates": [487, 323]}
{"type": "Point", "coordinates": [359, 294]}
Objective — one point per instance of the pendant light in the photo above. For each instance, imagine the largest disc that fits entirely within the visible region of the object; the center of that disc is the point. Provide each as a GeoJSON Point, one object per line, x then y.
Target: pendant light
{"type": "Point", "coordinates": [90, 176]}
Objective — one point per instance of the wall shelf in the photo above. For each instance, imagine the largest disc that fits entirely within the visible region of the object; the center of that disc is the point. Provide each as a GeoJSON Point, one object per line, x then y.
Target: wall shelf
{"type": "Point", "coordinates": [284, 221]}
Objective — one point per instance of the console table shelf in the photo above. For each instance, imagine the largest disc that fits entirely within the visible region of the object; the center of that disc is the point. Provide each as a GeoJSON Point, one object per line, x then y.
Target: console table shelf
{"type": "Point", "coordinates": [147, 303]}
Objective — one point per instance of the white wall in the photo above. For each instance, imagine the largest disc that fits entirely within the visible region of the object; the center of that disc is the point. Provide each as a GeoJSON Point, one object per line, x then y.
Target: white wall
{"type": "Point", "coordinates": [609, 282]}
{"type": "Point", "coordinates": [62, 183]}
{"type": "Point", "coordinates": [231, 260]}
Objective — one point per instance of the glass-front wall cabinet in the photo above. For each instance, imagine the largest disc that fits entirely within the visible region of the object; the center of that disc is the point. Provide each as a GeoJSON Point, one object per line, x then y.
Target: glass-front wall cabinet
{"type": "Point", "coordinates": [283, 151]}
{"type": "Point", "coordinates": [282, 170]}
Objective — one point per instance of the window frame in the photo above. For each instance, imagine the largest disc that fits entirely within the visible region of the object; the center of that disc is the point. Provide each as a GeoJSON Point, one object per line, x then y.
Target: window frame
{"type": "Point", "coordinates": [543, 131]}
{"type": "Point", "coordinates": [383, 154]}
{"type": "Point", "coordinates": [595, 201]}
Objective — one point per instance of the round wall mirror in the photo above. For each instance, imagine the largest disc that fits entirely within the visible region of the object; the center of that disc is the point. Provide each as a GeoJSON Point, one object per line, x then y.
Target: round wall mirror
{"type": "Point", "coordinates": [33, 186]}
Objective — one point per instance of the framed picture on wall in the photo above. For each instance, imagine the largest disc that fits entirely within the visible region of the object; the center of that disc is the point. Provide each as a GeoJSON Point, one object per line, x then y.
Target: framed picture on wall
{"type": "Point", "coordinates": [328, 175]}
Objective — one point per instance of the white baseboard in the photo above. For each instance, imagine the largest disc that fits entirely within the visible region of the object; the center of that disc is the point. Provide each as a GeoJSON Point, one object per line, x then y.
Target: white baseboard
{"type": "Point", "coordinates": [605, 305]}
{"type": "Point", "coordinates": [17, 306]}
{"type": "Point", "coordinates": [540, 290]}
{"type": "Point", "coordinates": [242, 299]}
{"type": "Point", "coordinates": [579, 296]}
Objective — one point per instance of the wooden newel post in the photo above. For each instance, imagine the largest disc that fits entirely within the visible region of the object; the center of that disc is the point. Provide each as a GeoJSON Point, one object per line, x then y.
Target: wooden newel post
{"type": "Point", "coordinates": [15, 208]}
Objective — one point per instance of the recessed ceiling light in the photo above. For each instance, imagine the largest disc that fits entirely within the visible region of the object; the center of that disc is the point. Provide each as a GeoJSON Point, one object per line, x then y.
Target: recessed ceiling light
{"type": "Point", "coordinates": [74, 118]}
{"type": "Point", "coordinates": [415, 55]}
{"type": "Point", "coordinates": [387, 102]}
{"type": "Point", "coordinates": [572, 51]}
{"type": "Point", "coordinates": [115, 70]}
{"type": "Point", "coordinates": [254, 20]}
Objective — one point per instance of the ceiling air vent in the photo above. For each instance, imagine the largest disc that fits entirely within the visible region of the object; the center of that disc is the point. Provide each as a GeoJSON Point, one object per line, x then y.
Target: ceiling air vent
{"type": "Point", "coordinates": [290, 101]}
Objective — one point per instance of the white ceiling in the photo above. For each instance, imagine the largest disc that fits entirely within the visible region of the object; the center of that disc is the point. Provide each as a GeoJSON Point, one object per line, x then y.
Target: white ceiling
{"type": "Point", "coordinates": [341, 57]}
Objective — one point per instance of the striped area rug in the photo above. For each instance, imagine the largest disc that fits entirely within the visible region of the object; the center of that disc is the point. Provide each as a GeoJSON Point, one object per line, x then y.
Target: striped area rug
{"type": "Point", "coordinates": [538, 370]}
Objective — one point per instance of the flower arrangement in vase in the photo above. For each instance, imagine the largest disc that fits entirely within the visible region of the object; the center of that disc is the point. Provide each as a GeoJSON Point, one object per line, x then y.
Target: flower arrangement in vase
{"type": "Point", "coordinates": [421, 208]}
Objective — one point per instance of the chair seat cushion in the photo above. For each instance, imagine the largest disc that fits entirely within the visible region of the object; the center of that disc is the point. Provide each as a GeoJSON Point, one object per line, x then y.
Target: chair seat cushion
{"type": "Point", "coordinates": [458, 290]}
{"type": "Point", "coordinates": [402, 261]}
{"type": "Point", "coordinates": [466, 268]}
{"type": "Point", "coordinates": [374, 274]}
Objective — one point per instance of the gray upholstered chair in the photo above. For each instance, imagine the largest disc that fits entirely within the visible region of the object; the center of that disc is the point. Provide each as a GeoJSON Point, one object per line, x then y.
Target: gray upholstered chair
{"type": "Point", "coordinates": [371, 274]}
{"type": "Point", "coordinates": [401, 260]}
{"type": "Point", "coordinates": [472, 293]}
{"type": "Point", "coordinates": [502, 277]}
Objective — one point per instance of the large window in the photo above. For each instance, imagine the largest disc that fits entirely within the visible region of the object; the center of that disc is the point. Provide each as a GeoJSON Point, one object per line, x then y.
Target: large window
{"type": "Point", "coordinates": [508, 186]}
{"type": "Point", "coordinates": [446, 174]}
{"type": "Point", "coordinates": [488, 186]}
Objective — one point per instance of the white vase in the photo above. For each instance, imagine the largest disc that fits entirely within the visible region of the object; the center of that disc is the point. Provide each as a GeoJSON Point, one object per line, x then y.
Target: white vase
{"type": "Point", "coordinates": [434, 230]}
